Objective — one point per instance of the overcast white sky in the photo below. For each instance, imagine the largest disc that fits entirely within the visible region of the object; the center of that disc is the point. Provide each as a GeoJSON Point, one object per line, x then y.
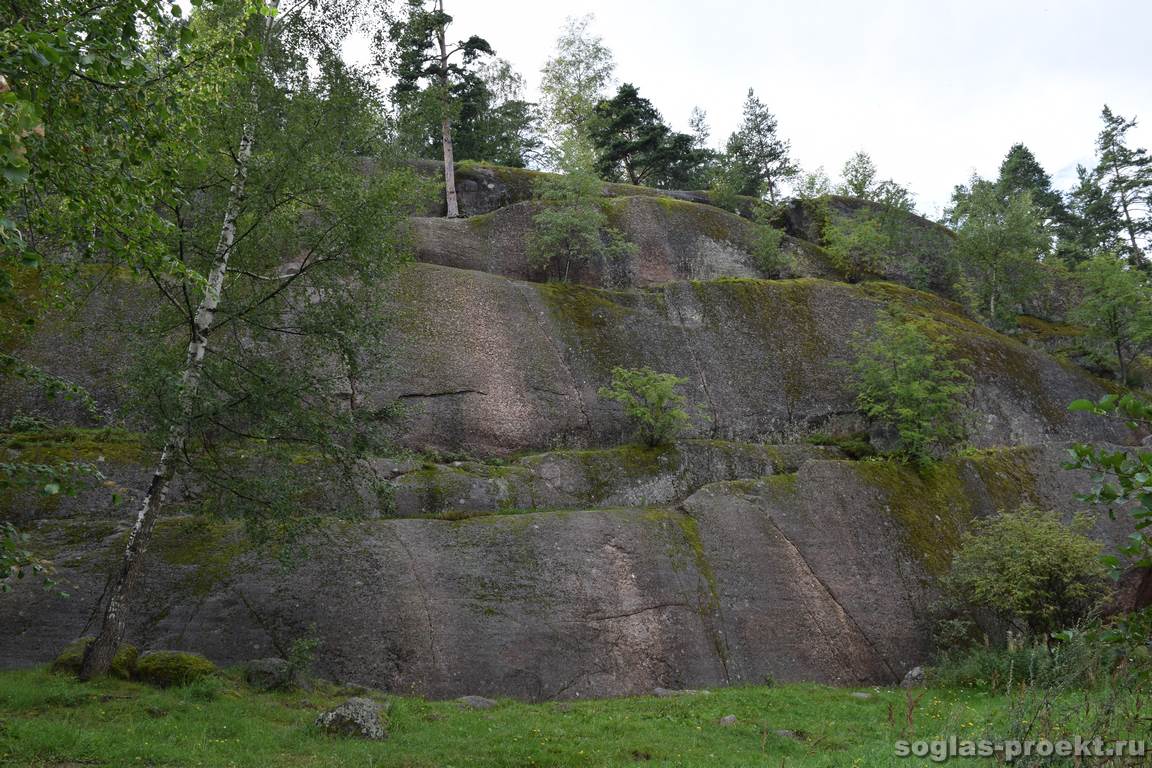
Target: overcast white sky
{"type": "Point", "coordinates": [932, 90]}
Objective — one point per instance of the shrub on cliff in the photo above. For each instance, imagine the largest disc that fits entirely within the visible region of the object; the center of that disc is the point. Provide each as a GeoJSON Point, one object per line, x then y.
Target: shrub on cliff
{"type": "Point", "coordinates": [907, 380]}
{"type": "Point", "coordinates": [651, 401]}
{"type": "Point", "coordinates": [1029, 569]}
{"type": "Point", "coordinates": [571, 226]}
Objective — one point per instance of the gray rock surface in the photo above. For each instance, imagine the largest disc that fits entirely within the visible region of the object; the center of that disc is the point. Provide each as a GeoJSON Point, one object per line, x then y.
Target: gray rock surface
{"type": "Point", "coordinates": [271, 674]}
{"type": "Point", "coordinates": [476, 702]}
{"type": "Point", "coordinates": [356, 718]}
{"type": "Point", "coordinates": [823, 574]}
{"type": "Point", "coordinates": [914, 678]}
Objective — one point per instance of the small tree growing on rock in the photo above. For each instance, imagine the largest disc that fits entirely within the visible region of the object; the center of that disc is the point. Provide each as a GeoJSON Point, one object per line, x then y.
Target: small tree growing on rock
{"type": "Point", "coordinates": [651, 401]}
{"type": "Point", "coordinates": [1030, 569]}
{"type": "Point", "coordinates": [571, 226]}
{"type": "Point", "coordinates": [906, 379]}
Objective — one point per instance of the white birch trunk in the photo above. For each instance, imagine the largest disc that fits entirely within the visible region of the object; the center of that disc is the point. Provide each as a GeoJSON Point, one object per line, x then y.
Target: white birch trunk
{"type": "Point", "coordinates": [99, 654]}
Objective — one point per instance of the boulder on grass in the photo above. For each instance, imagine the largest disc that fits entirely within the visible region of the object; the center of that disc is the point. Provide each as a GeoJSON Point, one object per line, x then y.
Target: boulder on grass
{"type": "Point", "coordinates": [357, 718]}
{"type": "Point", "coordinates": [165, 669]}
{"type": "Point", "coordinates": [70, 659]}
{"type": "Point", "coordinates": [271, 674]}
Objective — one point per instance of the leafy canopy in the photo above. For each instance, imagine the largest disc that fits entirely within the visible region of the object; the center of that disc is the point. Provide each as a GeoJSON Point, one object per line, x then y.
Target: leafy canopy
{"type": "Point", "coordinates": [1029, 569]}
{"type": "Point", "coordinates": [651, 402]}
{"type": "Point", "coordinates": [1115, 310]}
{"type": "Point", "coordinates": [907, 380]}
{"type": "Point", "coordinates": [570, 226]}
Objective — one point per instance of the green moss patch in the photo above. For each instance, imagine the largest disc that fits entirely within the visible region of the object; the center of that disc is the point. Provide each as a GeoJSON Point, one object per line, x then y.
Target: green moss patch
{"type": "Point", "coordinates": [166, 669]}
{"type": "Point", "coordinates": [123, 663]}
{"type": "Point", "coordinates": [930, 502]}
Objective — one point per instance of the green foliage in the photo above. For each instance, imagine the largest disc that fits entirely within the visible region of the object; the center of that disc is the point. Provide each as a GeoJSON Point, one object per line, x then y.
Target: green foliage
{"type": "Point", "coordinates": [1125, 175]}
{"type": "Point", "coordinates": [1076, 664]}
{"type": "Point", "coordinates": [1021, 172]}
{"type": "Point", "coordinates": [1115, 310]}
{"type": "Point", "coordinates": [123, 663]}
{"type": "Point", "coordinates": [1029, 569]}
{"type": "Point", "coordinates": [812, 185]}
{"type": "Point", "coordinates": [651, 401]}
{"type": "Point", "coordinates": [483, 97]}
{"type": "Point", "coordinates": [634, 144]}
{"type": "Point", "coordinates": [859, 175]}
{"type": "Point", "coordinates": [858, 245]}
{"type": "Point", "coordinates": [574, 79]}
{"type": "Point", "coordinates": [1092, 224]}
{"type": "Point", "coordinates": [1124, 479]}
{"type": "Point", "coordinates": [756, 160]}
{"type": "Point", "coordinates": [907, 380]}
{"type": "Point", "coordinates": [17, 561]}
{"type": "Point", "coordinates": [64, 75]}
{"type": "Point", "coordinates": [571, 227]}
{"type": "Point", "coordinates": [999, 245]}
{"type": "Point", "coordinates": [302, 653]}
{"type": "Point", "coordinates": [166, 669]}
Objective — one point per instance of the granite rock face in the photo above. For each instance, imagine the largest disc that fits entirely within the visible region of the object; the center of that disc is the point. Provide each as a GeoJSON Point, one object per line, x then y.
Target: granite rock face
{"type": "Point", "coordinates": [822, 573]}
{"type": "Point", "coordinates": [520, 548]}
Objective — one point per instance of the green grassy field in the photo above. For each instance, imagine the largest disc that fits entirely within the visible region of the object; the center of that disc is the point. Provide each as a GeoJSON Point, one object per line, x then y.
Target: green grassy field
{"type": "Point", "coordinates": [52, 720]}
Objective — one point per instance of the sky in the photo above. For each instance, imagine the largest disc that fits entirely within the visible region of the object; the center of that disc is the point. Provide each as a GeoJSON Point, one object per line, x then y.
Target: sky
{"type": "Point", "coordinates": [933, 91]}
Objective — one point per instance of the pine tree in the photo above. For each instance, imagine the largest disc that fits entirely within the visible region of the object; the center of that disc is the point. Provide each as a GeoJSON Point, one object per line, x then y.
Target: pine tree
{"type": "Point", "coordinates": [633, 143]}
{"type": "Point", "coordinates": [1125, 174]}
{"type": "Point", "coordinates": [756, 156]}
{"type": "Point", "coordinates": [421, 52]}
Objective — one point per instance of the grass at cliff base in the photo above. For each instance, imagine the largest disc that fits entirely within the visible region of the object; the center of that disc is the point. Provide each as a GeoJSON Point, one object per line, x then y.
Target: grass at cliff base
{"type": "Point", "coordinates": [52, 720]}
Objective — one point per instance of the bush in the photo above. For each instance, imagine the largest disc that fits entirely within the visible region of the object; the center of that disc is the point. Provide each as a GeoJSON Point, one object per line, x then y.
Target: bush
{"type": "Point", "coordinates": [906, 380]}
{"type": "Point", "coordinates": [70, 659]}
{"type": "Point", "coordinates": [571, 226]}
{"type": "Point", "coordinates": [173, 668]}
{"type": "Point", "coordinates": [651, 401]}
{"type": "Point", "coordinates": [1030, 570]}
{"type": "Point", "coordinates": [1069, 665]}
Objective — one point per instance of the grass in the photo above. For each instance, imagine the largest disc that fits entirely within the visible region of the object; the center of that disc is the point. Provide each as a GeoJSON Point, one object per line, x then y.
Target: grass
{"type": "Point", "coordinates": [52, 720]}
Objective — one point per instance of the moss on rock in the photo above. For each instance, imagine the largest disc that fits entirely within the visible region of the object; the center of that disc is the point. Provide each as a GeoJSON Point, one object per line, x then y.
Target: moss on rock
{"type": "Point", "coordinates": [930, 502]}
{"type": "Point", "coordinates": [166, 669]}
{"type": "Point", "coordinates": [124, 663]}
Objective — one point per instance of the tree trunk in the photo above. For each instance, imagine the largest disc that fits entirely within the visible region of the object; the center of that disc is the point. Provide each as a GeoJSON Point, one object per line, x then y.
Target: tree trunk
{"type": "Point", "coordinates": [446, 125]}
{"type": "Point", "coordinates": [99, 654]}
{"type": "Point", "coordinates": [1125, 204]}
{"type": "Point", "coordinates": [1122, 365]}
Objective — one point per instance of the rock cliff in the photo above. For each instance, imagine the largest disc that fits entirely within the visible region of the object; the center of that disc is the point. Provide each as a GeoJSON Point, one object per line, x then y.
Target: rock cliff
{"type": "Point", "coordinates": [546, 560]}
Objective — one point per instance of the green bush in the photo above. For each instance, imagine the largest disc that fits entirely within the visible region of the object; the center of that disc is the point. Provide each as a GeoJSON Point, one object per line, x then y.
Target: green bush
{"type": "Point", "coordinates": [906, 380]}
{"type": "Point", "coordinates": [171, 668]}
{"type": "Point", "coordinates": [571, 227]}
{"type": "Point", "coordinates": [1075, 664]}
{"type": "Point", "coordinates": [651, 401]}
{"type": "Point", "coordinates": [1030, 570]}
{"type": "Point", "coordinates": [70, 659]}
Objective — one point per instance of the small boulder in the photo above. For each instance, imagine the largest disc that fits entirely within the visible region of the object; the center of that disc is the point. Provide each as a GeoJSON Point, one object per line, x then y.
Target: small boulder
{"type": "Point", "coordinates": [728, 721]}
{"type": "Point", "coordinates": [476, 702]}
{"type": "Point", "coordinates": [165, 669]}
{"type": "Point", "coordinates": [665, 693]}
{"type": "Point", "coordinates": [784, 733]}
{"type": "Point", "coordinates": [270, 674]}
{"type": "Point", "coordinates": [863, 696]}
{"type": "Point", "coordinates": [914, 678]}
{"type": "Point", "coordinates": [357, 718]}
{"type": "Point", "coordinates": [70, 659]}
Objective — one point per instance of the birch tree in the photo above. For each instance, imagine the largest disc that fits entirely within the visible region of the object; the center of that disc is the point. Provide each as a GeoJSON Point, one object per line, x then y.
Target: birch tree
{"type": "Point", "coordinates": [304, 213]}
